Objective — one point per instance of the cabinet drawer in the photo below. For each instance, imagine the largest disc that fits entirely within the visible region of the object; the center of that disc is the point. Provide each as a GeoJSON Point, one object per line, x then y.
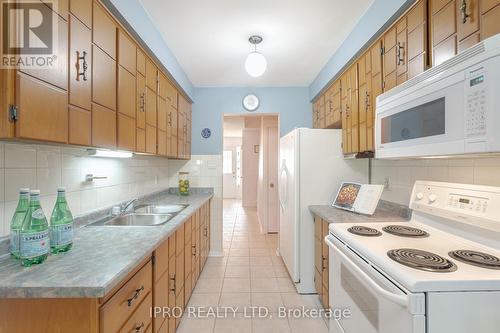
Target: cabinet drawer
{"type": "Point", "coordinates": [103, 79]}
{"type": "Point", "coordinates": [126, 92]}
{"type": "Point", "coordinates": [161, 260]}
{"type": "Point", "coordinates": [141, 319]}
{"type": "Point", "coordinates": [103, 127]}
{"type": "Point", "coordinates": [82, 9]}
{"type": "Point", "coordinates": [104, 30]}
{"type": "Point", "coordinates": [115, 312]}
{"type": "Point", "coordinates": [80, 126]}
{"type": "Point", "coordinates": [126, 132]}
{"type": "Point", "coordinates": [79, 56]}
{"type": "Point", "coordinates": [126, 52]}
{"type": "Point", "coordinates": [43, 110]}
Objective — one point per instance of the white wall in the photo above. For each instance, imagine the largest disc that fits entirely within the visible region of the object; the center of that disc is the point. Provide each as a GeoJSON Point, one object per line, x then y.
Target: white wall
{"type": "Point", "coordinates": [47, 167]}
{"type": "Point", "coordinates": [204, 171]}
{"type": "Point", "coordinates": [404, 173]}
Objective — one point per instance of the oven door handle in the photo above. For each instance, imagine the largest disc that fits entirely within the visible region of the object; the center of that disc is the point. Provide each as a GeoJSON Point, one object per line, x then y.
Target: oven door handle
{"type": "Point", "coordinates": [398, 299]}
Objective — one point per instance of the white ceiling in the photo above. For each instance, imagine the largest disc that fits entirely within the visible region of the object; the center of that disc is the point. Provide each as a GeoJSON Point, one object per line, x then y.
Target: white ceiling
{"type": "Point", "coordinates": [209, 38]}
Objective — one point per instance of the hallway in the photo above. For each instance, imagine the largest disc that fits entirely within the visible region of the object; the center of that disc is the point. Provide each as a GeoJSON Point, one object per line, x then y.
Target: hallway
{"type": "Point", "coordinates": [250, 274]}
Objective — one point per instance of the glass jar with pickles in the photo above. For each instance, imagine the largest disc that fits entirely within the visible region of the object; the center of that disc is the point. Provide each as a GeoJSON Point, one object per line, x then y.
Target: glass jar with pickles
{"type": "Point", "coordinates": [184, 186]}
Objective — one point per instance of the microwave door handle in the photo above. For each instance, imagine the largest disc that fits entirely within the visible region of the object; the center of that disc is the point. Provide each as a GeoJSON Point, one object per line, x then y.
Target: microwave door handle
{"type": "Point", "coordinates": [398, 299]}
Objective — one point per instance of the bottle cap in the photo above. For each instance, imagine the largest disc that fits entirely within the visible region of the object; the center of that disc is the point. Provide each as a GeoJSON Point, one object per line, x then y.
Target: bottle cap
{"type": "Point", "coordinates": [24, 190]}
{"type": "Point", "coordinates": [35, 192]}
{"type": "Point", "coordinates": [61, 189]}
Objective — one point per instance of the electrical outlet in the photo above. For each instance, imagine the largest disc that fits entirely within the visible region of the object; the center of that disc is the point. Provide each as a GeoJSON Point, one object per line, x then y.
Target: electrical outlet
{"type": "Point", "coordinates": [387, 183]}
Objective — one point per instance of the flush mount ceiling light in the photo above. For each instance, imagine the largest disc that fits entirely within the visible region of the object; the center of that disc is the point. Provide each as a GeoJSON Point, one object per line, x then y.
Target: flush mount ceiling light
{"type": "Point", "coordinates": [256, 63]}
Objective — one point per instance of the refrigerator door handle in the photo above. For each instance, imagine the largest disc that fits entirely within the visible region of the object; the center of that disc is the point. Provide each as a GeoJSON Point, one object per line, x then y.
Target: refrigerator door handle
{"type": "Point", "coordinates": [285, 183]}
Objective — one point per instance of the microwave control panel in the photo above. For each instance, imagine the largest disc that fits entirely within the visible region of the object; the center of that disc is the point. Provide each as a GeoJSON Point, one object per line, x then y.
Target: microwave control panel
{"type": "Point", "coordinates": [476, 116]}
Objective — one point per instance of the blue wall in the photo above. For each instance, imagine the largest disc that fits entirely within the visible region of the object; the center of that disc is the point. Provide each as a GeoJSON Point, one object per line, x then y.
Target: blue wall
{"type": "Point", "coordinates": [139, 20]}
{"type": "Point", "coordinates": [212, 103]}
{"type": "Point", "coordinates": [376, 18]}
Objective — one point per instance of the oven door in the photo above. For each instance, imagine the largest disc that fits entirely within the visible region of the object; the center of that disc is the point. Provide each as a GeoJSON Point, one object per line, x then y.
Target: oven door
{"type": "Point", "coordinates": [370, 303]}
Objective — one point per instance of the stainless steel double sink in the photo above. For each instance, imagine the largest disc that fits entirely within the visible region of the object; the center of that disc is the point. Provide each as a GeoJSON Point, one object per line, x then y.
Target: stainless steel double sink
{"type": "Point", "coordinates": [141, 216]}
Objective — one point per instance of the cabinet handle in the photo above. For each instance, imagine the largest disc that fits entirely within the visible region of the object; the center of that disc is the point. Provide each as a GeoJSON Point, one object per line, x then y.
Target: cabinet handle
{"type": "Point", "coordinates": [134, 297]}
{"type": "Point", "coordinates": [143, 102]}
{"type": "Point", "coordinates": [84, 67]}
{"type": "Point", "coordinates": [193, 250]}
{"type": "Point", "coordinates": [347, 111]}
{"type": "Point", "coordinates": [172, 283]}
{"type": "Point", "coordinates": [139, 328]}
{"type": "Point", "coordinates": [400, 54]}
{"type": "Point", "coordinates": [463, 11]}
{"type": "Point", "coordinates": [205, 233]}
{"type": "Point", "coordinates": [323, 266]}
{"type": "Point", "coordinates": [170, 119]}
{"type": "Point", "coordinates": [367, 101]}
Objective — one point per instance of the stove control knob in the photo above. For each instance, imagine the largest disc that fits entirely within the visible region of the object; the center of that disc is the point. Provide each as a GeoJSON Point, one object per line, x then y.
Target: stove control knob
{"type": "Point", "coordinates": [432, 198]}
{"type": "Point", "coordinates": [420, 196]}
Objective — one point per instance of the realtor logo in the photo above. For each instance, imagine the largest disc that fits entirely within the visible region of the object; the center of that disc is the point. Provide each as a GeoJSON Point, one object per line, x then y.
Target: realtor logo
{"type": "Point", "coordinates": [29, 31]}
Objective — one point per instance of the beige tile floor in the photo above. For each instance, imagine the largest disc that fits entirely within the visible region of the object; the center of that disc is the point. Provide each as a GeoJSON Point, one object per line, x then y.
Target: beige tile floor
{"type": "Point", "coordinates": [249, 274]}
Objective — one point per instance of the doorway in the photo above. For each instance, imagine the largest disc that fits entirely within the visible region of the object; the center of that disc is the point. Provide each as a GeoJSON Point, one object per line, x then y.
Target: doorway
{"type": "Point", "coordinates": [250, 166]}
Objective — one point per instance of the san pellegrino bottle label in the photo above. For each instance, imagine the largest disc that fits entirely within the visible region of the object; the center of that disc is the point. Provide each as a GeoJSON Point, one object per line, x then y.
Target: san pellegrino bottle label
{"type": "Point", "coordinates": [35, 244]}
{"type": "Point", "coordinates": [61, 234]}
{"type": "Point", "coordinates": [14, 241]}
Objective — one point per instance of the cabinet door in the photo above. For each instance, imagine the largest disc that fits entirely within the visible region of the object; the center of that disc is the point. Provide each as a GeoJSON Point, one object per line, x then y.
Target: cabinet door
{"type": "Point", "coordinates": [416, 51]}
{"type": "Point", "coordinates": [163, 86]}
{"type": "Point", "coordinates": [60, 7]}
{"type": "Point", "coordinates": [486, 5]}
{"type": "Point", "coordinates": [80, 126]}
{"type": "Point", "coordinates": [126, 52]}
{"type": "Point", "coordinates": [140, 141]}
{"type": "Point", "coordinates": [103, 127]}
{"type": "Point", "coordinates": [80, 60]}
{"type": "Point", "coordinates": [103, 79]}
{"type": "Point", "coordinates": [171, 290]}
{"type": "Point", "coordinates": [150, 139]}
{"type": "Point", "coordinates": [445, 51]}
{"type": "Point", "coordinates": [126, 132]}
{"type": "Point", "coordinates": [150, 107]}
{"type": "Point", "coordinates": [401, 47]}
{"type": "Point", "coordinates": [56, 75]}
{"type": "Point", "coordinates": [104, 30]}
{"type": "Point", "coordinates": [151, 75]}
{"type": "Point", "coordinates": [181, 118]}
{"type": "Point", "coordinates": [162, 143]}
{"type": "Point", "coordinates": [43, 110]}
{"type": "Point", "coordinates": [82, 9]}
{"type": "Point", "coordinates": [141, 101]}
{"type": "Point", "coordinates": [468, 18]}
{"type": "Point", "coordinates": [490, 22]}
{"type": "Point", "coordinates": [162, 114]}
{"type": "Point", "coordinates": [126, 93]}
{"type": "Point", "coordinates": [444, 23]}
{"type": "Point", "coordinates": [160, 299]}
{"type": "Point", "coordinates": [141, 62]}
{"type": "Point", "coordinates": [172, 132]}
{"type": "Point", "coordinates": [354, 109]}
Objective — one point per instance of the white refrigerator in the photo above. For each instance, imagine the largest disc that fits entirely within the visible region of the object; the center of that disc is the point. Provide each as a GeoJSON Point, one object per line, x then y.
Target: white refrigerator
{"type": "Point", "coordinates": [312, 167]}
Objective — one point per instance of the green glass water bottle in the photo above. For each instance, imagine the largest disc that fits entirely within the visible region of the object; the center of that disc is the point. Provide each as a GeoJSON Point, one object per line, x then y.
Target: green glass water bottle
{"type": "Point", "coordinates": [17, 220]}
{"type": "Point", "coordinates": [34, 241]}
{"type": "Point", "coordinates": [61, 224]}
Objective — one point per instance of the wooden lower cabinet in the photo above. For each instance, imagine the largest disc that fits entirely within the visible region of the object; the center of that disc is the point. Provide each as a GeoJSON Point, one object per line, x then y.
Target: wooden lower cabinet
{"type": "Point", "coordinates": [321, 257]}
{"type": "Point", "coordinates": [164, 280]}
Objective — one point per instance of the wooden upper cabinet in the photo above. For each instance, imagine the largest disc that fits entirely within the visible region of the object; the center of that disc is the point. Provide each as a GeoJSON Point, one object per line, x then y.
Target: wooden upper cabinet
{"type": "Point", "coordinates": [103, 79]}
{"type": "Point", "coordinates": [126, 93]}
{"type": "Point", "coordinates": [141, 62]}
{"type": "Point", "coordinates": [56, 75]}
{"type": "Point", "coordinates": [490, 19]}
{"type": "Point", "coordinates": [80, 126]}
{"type": "Point", "coordinates": [401, 47]}
{"type": "Point", "coordinates": [151, 75]}
{"type": "Point", "coordinates": [103, 127]}
{"type": "Point", "coordinates": [126, 132]}
{"type": "Point", "coordinates": [163, 86]}
{"type": "Point", "coordinates": [126, 52]}
{"type": "Point", "coordinates": [162, 114]}
{"type": "Point", "coordinates": [59, 6]}
{"type": "Point", "coordinates": [82, 9]}
{"type": "Point", "coordinates": [417, 39]}
{"type": "Point", "coordinates": [141, 101]}
{"type": "Point", "coordinates": [444, 23]}
{"type": "Point", "coordinates": [80, 64]}
{"type": "Point", "coordinates": [468, 18]}
{"type": "Point", "coordinates": [172, 132]}
{"type": "Point", "coordinates": [150, 107]}
{"type": "Point", "coordinates": [43, 110]}
{"type": "Point", "coordinates": [104, 30]}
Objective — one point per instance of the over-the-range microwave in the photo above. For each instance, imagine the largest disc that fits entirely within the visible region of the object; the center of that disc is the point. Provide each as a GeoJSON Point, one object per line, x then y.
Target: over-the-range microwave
{"type": "Point", "coordinates": [451, 109]}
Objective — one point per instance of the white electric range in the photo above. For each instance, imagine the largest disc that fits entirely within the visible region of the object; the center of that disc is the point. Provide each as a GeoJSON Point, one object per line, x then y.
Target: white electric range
{"type": "Point", "coordinates": [438, 273]}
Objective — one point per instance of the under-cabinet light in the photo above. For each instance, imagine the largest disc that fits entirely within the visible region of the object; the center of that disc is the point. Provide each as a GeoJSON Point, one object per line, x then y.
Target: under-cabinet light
{"type": "Point", "coordinates": [109, 153]}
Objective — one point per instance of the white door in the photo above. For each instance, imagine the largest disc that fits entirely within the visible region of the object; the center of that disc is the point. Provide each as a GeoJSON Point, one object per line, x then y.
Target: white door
{"type": "Point", "coordinates": [229, 184]}
{"type": "Point", "coordinates": [273, 217]}
{"type": "Point", "coordinates": [250, 166]}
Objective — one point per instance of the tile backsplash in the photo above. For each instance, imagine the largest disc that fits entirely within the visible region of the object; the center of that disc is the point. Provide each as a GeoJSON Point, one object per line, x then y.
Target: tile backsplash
{"type": "Point", "coordinates": [402, 174]}
{"type": "Point", "coordinates": [47, 167]}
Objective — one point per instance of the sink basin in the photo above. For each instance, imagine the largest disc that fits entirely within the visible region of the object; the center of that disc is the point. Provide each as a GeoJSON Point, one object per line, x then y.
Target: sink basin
{"type": "Point", "coordinates": [135, 220]}
{"type": "Point", "coordinates": [159, 209]}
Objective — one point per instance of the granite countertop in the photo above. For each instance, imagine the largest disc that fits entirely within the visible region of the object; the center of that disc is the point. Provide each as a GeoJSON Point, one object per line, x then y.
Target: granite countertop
{"type": "Point", "coordinates": [100, 259]}
{"type": "Point", "coordinates": [385, 212]}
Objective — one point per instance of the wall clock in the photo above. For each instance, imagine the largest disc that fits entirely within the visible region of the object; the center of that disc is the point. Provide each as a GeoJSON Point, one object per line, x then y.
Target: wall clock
{"type": "Point", "coordinates": [251, 102]}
